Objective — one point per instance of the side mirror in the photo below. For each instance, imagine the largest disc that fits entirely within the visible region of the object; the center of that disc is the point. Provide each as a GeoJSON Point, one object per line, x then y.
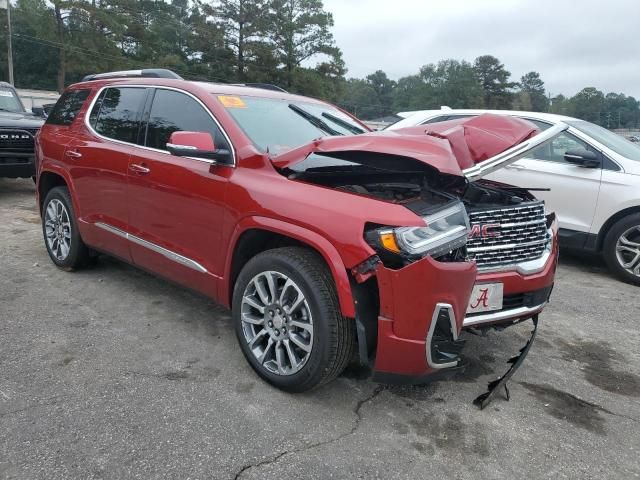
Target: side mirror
{"type": "Point", "coordinates": [39, 111]}
{"type": "Point", "coordinates": [198, 145]}
{"type": "Point", "coordinates": [583, 158]}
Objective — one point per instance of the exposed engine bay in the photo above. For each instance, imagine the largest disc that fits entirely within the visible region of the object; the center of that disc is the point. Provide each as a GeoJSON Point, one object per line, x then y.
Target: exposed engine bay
{"type": "Point", "coordinates": [412, 184]}
{"type": "Point", "coordinates": [419, 188]}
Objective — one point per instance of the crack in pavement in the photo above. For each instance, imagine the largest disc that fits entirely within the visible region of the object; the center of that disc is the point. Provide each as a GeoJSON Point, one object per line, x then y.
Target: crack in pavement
{"type": "Point", "coordinates": [356, 424]}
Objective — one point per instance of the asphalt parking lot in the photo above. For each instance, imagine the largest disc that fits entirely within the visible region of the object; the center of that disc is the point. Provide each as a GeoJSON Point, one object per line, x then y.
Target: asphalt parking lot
{"type": "Point", "coordinates": [113, 373]}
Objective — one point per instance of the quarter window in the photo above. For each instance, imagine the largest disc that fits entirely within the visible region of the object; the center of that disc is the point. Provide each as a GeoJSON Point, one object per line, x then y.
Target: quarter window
{"type": "Point", "coordinates": [67, 107]}
{"type": "Point", "coordinates": [174, 111]}
{"type": "Point", "coordinates": [116, 114]}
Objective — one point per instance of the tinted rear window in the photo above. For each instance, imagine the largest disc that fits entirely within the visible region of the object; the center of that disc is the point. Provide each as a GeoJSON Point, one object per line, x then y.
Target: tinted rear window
{"type": "Point", "coordinates": [67, 107]}
{"type": "Point", "coordinates": [116, 114]}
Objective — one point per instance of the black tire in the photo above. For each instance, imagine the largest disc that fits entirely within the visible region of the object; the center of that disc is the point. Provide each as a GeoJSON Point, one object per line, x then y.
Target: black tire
{"type": "Point", "coordinates": [619, 229]}
{"type": "Point", "coordinates": [78, 253]}
{"type": "Point", "coordinates": [333, 335]}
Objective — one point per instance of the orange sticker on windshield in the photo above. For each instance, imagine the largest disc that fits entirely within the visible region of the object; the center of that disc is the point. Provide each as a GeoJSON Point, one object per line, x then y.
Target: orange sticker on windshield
{"type": "Point", "coordinates": [231, 102]}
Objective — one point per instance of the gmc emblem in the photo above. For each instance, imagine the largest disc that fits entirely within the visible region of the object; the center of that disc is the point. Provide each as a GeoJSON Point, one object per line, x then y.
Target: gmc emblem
{"type": "Point", "coordinates": [487, 230]}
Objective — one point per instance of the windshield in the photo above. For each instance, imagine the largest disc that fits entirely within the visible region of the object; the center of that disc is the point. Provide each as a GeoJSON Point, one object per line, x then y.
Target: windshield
{"type": "Point", "coordinates": [611, 140]}
{"type": "Point", "coordinates": [9, 101]}
{"type": "Point", "coordinates": [276, 125]}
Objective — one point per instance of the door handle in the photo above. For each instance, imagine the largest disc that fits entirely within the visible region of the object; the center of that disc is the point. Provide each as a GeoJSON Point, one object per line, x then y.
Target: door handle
{"type": "Point", "coordinates": [140, 169]}
{"type": "Point", "coordinates": [73, 154]}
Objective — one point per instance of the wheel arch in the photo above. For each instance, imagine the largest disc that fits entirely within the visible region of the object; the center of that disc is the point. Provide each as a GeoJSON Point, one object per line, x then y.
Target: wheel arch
{"type": "Point", "coordinates": [611, 221]}
{"type": "Point", "coordinates": [257, 234]}
{"type": "Point", "coordinates": [48, 179]}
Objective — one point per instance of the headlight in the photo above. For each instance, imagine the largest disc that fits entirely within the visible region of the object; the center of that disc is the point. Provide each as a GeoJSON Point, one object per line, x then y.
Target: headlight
{"type": "Point", "coordinates": [444, 230]}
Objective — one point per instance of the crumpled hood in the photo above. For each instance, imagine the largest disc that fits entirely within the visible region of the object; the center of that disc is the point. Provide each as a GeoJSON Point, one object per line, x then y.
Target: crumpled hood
{"type": "Point", "coordinates": [450, 147]}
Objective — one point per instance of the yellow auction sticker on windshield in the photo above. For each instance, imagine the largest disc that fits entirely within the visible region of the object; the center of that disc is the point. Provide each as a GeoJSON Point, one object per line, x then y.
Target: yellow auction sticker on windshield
{"type": "Point", "coordinates": [231, 101]}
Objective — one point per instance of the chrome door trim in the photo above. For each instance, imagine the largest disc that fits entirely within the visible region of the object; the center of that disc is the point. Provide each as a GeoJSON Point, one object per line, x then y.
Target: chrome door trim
{"type": "Point", "coordinates": [176, 257]}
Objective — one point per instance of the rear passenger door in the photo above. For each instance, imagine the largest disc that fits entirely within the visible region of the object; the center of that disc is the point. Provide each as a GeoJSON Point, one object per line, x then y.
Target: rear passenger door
{"type": "Point", "coordinates": [98, 160]}
{"type": "Point", "coordinates": [176, 204]}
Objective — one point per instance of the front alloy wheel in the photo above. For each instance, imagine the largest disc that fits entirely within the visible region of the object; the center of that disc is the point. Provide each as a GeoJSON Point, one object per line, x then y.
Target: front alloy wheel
{"type": "Point", "coordinates": [628, 250]}
{"type": "Point", "coordinates": [277, 323]}
{"type": "Point", "coordinates": [288, 320]}
{"type": "Point", "coordinates": [621, 248]}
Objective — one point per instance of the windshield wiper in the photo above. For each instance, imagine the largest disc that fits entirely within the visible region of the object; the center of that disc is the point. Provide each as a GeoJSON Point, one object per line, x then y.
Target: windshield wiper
{"type": "Point", "coordinates": [313, 120]}
{"type": "Point", "coordinates": [343, 123]}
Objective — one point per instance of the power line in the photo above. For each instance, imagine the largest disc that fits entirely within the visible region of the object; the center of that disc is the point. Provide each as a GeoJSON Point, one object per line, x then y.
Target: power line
{"type": "Point", "coordinates": [123, 59]}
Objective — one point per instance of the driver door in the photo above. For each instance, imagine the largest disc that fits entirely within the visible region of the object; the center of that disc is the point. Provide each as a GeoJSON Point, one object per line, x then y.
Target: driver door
{"type": "Point", "coordinates": [176, 204]}
{"type": "Point", "coordinates": [573, 190]}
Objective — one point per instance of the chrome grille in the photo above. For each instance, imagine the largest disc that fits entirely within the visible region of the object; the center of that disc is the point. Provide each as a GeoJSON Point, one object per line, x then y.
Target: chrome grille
{"type": "Point", "coordinates": [17, 140]}
{"type": "Point", "coordinates": [516, 234]}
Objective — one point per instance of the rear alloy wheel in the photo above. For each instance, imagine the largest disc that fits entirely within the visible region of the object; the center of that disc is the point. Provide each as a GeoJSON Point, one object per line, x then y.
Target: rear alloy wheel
{"type": "Point", "coordinates": [288, 321]}
{"type": "Point", "coordinates": [622, 249]}
{"type": "Point", "coordinates": [59, 228]}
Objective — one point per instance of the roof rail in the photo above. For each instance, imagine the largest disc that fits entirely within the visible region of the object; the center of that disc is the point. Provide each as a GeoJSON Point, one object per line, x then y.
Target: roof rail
{"type": "Point", "coordinates": [264, 86]}
{"type": "Point", "coordinates": [146, 73]}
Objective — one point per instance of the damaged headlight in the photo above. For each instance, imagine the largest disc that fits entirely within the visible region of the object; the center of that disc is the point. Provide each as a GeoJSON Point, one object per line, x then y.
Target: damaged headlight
{"type": "Point", "coordinates": [444, 230]}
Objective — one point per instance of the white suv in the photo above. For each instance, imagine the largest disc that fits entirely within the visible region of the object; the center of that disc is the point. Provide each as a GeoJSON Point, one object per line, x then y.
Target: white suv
{"type": "Point", "coordinates": [593, 181]}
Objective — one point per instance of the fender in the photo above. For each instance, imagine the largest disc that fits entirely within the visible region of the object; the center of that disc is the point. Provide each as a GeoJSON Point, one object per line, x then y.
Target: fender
{"type": "Point", "coordinates": [61, 172]}
{"type": "Point", "coordinates": [318, 242]}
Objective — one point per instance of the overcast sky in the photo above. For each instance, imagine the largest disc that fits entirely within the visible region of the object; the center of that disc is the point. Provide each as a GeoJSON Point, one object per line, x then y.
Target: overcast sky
{"type": "Point", "coordinates": [573, 44]}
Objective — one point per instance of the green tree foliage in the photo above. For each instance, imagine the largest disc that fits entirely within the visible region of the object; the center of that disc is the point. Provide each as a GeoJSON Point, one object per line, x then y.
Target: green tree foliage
{"type": "Point", "coordinates": [532, 87]}
{"type": "Point", "coordinates": [588, 104]}
{"type": "Point", "coordinates": [245, 29]}
{"type": "Point", "coordinates": [449, 83]}
{"type": "Point", "coordinates": [494, 79]}
{"type": "Point", "coordinates": [285, 42]}
{"type": "Point", "coordinates": [299, 30]}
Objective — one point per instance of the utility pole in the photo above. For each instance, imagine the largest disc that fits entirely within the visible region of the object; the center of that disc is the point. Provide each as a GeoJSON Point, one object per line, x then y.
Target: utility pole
{"type": "Point", "coordinates": [9, 47]}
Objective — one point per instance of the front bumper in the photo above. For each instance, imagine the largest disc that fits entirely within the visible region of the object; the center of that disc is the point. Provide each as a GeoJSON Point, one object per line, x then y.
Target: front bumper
{"type": "Point", "coordinates": [22, 166]}
{"type": "Point", "coordinates": [527, 288]}
{"type": "Point", "coordinates": [413, 300]}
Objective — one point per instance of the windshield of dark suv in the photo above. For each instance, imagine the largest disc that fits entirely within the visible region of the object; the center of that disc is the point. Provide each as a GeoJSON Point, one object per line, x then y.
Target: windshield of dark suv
{"type": "Point", "coordinates": [615, 142]}
{"type": "Point", "coordinates": [276, 125]}
{"type": "Point", "coordinates": [9, 101]}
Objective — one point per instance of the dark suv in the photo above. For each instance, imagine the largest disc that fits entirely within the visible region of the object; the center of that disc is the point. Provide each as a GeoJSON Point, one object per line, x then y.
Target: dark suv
{"type": "Point", "coordinates": [17, 131]}
{"type": "Point", "coordinates": [327, 241]}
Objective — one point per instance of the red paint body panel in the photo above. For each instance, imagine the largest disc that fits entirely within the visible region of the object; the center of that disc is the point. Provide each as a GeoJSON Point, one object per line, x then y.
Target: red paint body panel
{"type": "Point", "coordinates": [408, 298]}
{"type": "Point", "coordinates": [475, 139]}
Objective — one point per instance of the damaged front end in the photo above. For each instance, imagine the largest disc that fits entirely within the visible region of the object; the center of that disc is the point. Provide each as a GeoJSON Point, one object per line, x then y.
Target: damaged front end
{"type": "Point", "coordinates": [412, 293]}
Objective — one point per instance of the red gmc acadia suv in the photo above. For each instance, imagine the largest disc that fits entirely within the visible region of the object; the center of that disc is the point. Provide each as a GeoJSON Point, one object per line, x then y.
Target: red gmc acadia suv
{"type": "Point", "coordinates": [328, 242]}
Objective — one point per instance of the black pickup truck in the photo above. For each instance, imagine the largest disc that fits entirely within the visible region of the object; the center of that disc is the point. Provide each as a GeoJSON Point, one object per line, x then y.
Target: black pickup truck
{"type": "Point", "coordinates": [18, 128]}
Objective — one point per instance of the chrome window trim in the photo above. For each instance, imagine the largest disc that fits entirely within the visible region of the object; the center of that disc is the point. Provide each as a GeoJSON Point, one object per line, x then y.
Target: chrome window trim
{"type": "Point", "coordinates": [434, 319]}
{"type": "Point", "coordinates": [158, 87]}
{"type": "Point", "coordinates": [501, 315]}
{"type": "Point", "coordinates": [176, 257]}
